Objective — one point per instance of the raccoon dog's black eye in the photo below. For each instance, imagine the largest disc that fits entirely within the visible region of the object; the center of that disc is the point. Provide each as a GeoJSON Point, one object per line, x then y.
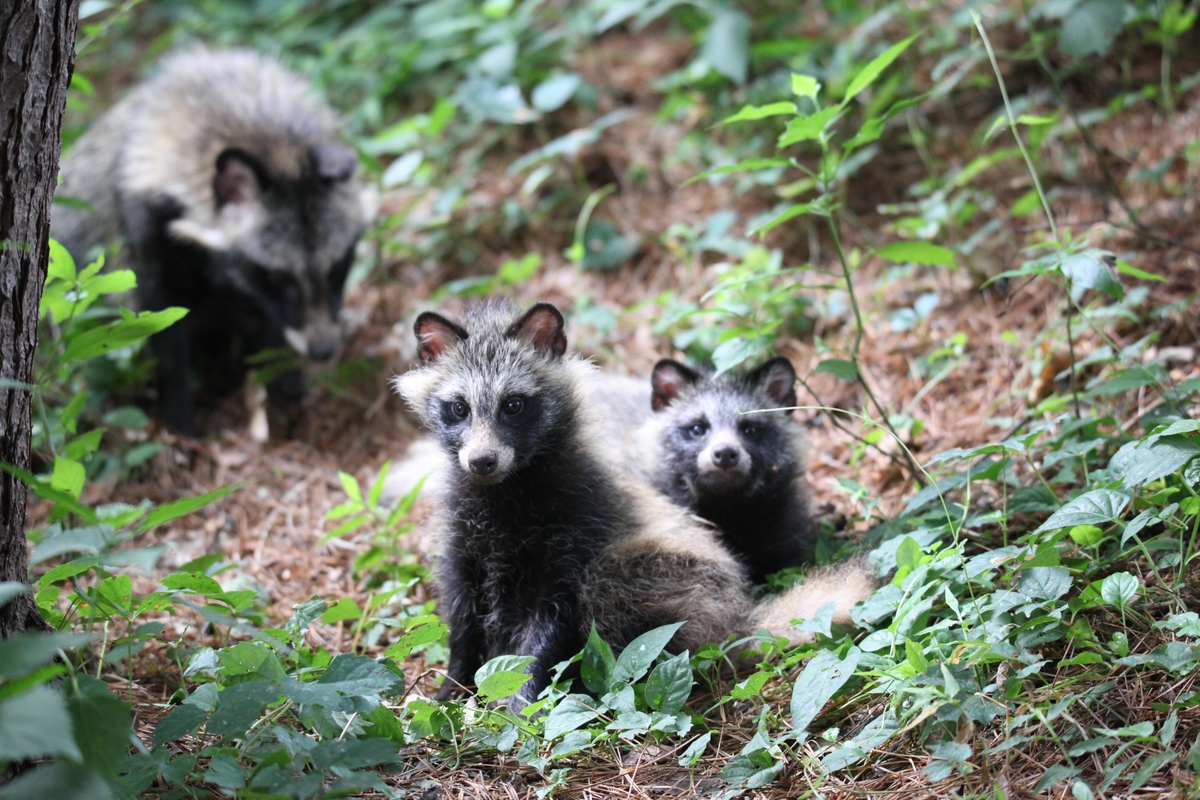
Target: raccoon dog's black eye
{"type": "Point", "coordinates": [459, 409]}
{"type": "Point", "coordinates": [749, 429]}
{"type": "Point", "coordinates": [698, 430]}
{"type": "Point", "coordinates": [514, 406]}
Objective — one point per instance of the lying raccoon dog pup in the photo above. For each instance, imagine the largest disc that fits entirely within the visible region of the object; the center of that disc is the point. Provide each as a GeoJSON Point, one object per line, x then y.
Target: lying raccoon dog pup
{"type": "Point", "coordinates": [741, 471]}
{"type": "Point", "coordinates": [235, 199]}
{"type": "Point", "coordinates": [542, 536]}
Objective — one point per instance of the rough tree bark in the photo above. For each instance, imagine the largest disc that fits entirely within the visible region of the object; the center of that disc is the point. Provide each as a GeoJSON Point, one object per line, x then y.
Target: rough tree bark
{"type": "Point", "coordinates": [37, 54]}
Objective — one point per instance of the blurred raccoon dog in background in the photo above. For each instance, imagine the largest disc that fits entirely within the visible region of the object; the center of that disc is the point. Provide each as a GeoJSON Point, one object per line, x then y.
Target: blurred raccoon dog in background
{"type": "Point", "coordinates": [235, 198]}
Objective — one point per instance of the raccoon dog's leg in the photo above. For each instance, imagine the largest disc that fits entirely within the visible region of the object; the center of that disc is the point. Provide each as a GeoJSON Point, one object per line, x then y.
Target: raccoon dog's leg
{"type": "Point", "coordinates": [167, 272]}
{"type": "Point", "coordinates": [466, 628]}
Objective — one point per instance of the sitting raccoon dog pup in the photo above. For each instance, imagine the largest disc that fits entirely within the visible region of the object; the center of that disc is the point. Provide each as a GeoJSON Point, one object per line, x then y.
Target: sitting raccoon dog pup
{"type": "Point", "coordinates": [235, 199]}
{"type": "Point", "coordinates": [740, 471]}
{"type": "Point", "coordinates": [541, 538]}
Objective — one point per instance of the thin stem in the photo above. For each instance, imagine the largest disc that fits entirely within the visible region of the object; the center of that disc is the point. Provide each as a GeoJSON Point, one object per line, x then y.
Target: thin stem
{"type": "Point", "coordinates": [913, 469]}
{"type": "Point", "coordinates": [1071, 356]}
{"type": "Point", "coordinates": [1012, 123]}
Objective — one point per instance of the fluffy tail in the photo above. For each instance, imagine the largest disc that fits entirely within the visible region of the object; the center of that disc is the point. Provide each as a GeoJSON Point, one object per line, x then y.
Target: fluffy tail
{"type": "Point", "coordinates": [844, 584]}
{"type": "Point", "coordinates": [424, 459]}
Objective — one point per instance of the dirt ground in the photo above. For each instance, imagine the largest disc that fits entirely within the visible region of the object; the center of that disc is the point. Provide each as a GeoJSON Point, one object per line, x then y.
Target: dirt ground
{"type": "Point", "coordinates": [273, 527]}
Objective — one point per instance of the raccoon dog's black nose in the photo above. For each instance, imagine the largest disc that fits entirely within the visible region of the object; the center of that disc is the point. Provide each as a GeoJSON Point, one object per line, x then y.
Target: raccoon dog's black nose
{"type": "Point", "coordinates": [322, 350]}
{"type": "Point", "coordinates": [725, 456]}
{"type": "Point", "coordinates": [484, 464]}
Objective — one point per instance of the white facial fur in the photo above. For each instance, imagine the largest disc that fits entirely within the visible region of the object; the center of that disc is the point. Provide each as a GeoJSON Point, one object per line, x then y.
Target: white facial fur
{"type": "Point", "coordinates": [720, 438]}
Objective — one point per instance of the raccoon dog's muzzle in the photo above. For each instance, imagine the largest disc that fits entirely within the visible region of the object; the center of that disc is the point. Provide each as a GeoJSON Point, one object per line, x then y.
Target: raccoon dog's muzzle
{"type": "Point", "coordinates": [723, 462]}
{"type": "Point", "coordinates": [486, 460]}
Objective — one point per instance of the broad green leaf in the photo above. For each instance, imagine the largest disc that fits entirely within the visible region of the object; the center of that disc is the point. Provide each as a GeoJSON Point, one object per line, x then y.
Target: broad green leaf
{"type": "Point", "coordinates": [695, 750]}
{"type": "Point", "coordinates": [874, 734]}
{"type": "Point", "coordinates": [598, 663]}
{"type": "Point", "coordinates": [35, 724]}
{"type": "Point", "coordinates": [817, 684]}
{"type": "Point", "coordinates": [554, 92]}
{"type": "Point", "coordinates": [804, 129]}
{"type": "Point", "coordinates": [726, 46]}
{"type": "Point", "coordinates": [1044, 583]}
{"type": "Point", "coordinates": [122, 333]}
{"type": "Point", "coordinates": [571, 713]}
{"type": "Point", "coordinates": [24, 652]}
{"type": "Point", "coordinates": [341, 611]}
{"type": "Point", "coordinates": [103, 724]}
{"type": "Point", "coordinates": [502, 677]}
{"type": "Point", "coordinates": [351, 487]}
{"type": "Point", "coordinates": [761, 112]}
{"type": "Point", "coordinates": [239, 706]}
{"type": "Point", "coordinates": [1119, 588]}
{"type": "Point", "coordinates": [875, 68]}
{"type": "Point", "coordinates": [1158, 458]}
{"type": "Point", "coordinates": [805, 86]}
{"type": "Point", "coordinates": [670, 684]}
{"type": "Point", "coordinates": [1090, 27]}
{"type": "Point", "coordinates": [68, 476]}
{"type": "Point", "coordinates": [918, 253]}
{"type": "Point", "coordinates": [196, 582]}
{"type": "Point", "coordinates": [1086, 535]}
{"type": "Point", "coordinates": [638, 655]}
{"type": "Point", "coordinates": [1099, 506]}
{"type": "Point", "coordinates": [182, 720]}
{"type": "Point", "coordinates": [418, 636]}
{"type": "Point", "coordinates": [61, 265]}
{"type": "Point", "coordinates": [839, 368]}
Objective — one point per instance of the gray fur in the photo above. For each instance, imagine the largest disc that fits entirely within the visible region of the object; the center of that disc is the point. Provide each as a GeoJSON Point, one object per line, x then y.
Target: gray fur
{"type": "Point", "coordinates": [225, 178]}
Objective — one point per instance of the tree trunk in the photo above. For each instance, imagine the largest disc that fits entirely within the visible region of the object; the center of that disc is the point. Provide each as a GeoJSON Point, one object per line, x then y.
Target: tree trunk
{"type": "Point", "coordinates": [37, 53]}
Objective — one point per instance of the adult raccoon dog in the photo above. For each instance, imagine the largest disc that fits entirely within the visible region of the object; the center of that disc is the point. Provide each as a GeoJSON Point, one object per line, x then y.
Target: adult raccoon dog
{"type": "Point", "coordinates": [235, 199]}
{"type": "Point", "coordinates": [542, 537]}
{"type": "Point", "coordinates": [742, 472]}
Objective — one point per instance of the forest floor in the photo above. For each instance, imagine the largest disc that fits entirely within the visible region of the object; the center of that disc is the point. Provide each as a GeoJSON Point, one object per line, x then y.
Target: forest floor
{"type": "Point", "coordinates": [273, 527]}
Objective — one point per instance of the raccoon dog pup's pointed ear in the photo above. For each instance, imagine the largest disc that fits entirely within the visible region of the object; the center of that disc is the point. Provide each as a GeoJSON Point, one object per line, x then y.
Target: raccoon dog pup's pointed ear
{"type": "Point", "coordinates": [667, 382]}
{"type": "Point", "coordinates": [436, 335]}
{"type": "Point", "coordinates": [542, 327]}
{"type": "Point", "coordinates": [333, 161]}
{"type": "Point", "coordinates": [777, 378]}
{"type": "Point", "coordinates": [239, 178]}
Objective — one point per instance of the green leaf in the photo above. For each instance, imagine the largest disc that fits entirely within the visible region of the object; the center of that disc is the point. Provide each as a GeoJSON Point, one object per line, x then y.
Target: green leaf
{"type": "Point", "coordinates": [84, 445]}
{"type": "Point", "coordinates": [1098, 506]}
{"type": "Point", "coordinates": [1091, 27]}
{"type": "Point", "coordinates": [875, 68]}
{"type": "Point", "coordinates": [1044, 583]}
{"type": "Point", "coordinates": [351, 487]}
{"type": "Point", "coordinates": [421, 635]}
{"type": "Point", "coordinates": [598, 663]}
{"type": "Point", "coordinates": [35, 724]}
{"type": "Point", "coordinates": [342, 610]}
{"type": "Point", "coordinates": [554, 92]}
{"type": "Point", "coordinates": [1086, 535]}
{"type": "Point", "coordinates": [68, 476]}
{"type": "Point", "coordinates": [239, 706]}
{"type": "Point", "coordinates": [748, 165]}
{"type": "Point", "coordinates": [1158, 458]}
{"type": "Point", "coordinates": [817, 684]}
{"type": "Point", "coordinates": [11, 589]}
{"type": "Point", "coordinates": [839, 368]}
{"type": "Point", "coordinates": [60, 780]}
{"type": "Point", "coordinates": [516, 270]}
{"type": "Point", "coordinates": [761, 112]}
{"type": "Point", "coordinates": [635, 660]}
{"type": "Point", "coordinates": [726, 45]}
{"type": "Point", "coordinates": [181, 508]}
{"type": "Point", "coordinates": [804, 129]}
{"type": "Point", "coordinates": [1119, 588]}
{"type": "Point", "coordinates": [571, 713]}
{"type": "Point", "coordinates": [251, 660]}
{"type": "Point", "coordinates": [196, 582]}
{"type": "Point", "coordinates": [791, 212]}
{"type": "Point", "coordinates": [918, 253]}
{"type": "Point", "coordinates": [102, 722]}
{"type": "Point", "coordinates": [502, 677]}
{"type": "Point", "coordinates": [805, 86]}
{"type": "Point", "coordinates": [670, 684]}
{"type": "Point", "coordinates": [122, 333]}
{"type": "Point", "coordinates": [182, 720]}
{"type": "Point", "coordinates": [61, 265]}
{"type": "Point", "coordinates": [695, 750]}
{"type": "Point", "coordinates": [1125, 268]}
